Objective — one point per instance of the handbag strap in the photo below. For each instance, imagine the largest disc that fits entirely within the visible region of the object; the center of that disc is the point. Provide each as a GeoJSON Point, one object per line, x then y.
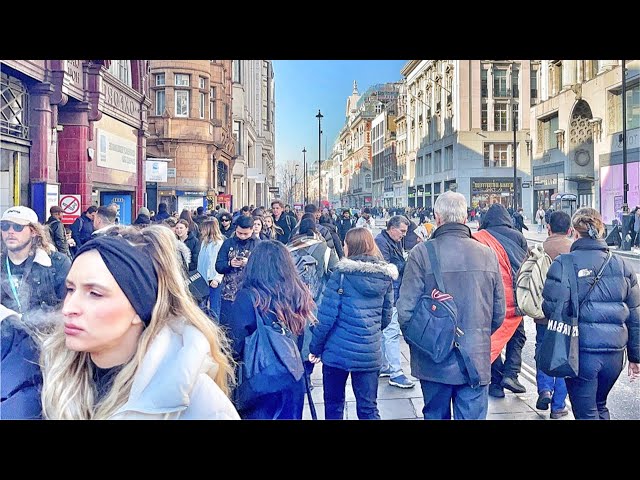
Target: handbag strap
{"type": "Point", "coordinates": [597, 279]}
{"type": "Point", "coordinates": [435, 265]}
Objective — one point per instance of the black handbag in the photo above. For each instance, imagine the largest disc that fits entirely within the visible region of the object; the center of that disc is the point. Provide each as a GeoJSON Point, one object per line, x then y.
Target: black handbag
{"type": "Point", "coordinates": [198, 286]}
{"type": "Point", "coordinates": [271, 362]}
{"type": "Point", "coordinates": [560, 349]}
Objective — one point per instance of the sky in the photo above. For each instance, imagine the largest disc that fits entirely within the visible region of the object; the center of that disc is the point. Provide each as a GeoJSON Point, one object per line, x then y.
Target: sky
{"type": "Point", "coordinates": [304, 86]}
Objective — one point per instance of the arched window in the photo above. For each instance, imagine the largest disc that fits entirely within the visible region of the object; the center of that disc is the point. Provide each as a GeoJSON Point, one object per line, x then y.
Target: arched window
{"type": "Point", "coordinates": [121, 69]}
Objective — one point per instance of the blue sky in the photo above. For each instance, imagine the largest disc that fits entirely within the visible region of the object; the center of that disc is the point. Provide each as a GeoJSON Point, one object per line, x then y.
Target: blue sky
{"type": "Point", "coordinates": [304, 86]}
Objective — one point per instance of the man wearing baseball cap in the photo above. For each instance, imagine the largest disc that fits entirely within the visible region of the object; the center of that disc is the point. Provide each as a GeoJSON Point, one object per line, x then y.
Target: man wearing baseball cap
{"type": "Point", "coordinates": [33, 273]}
{"type": "Point", "coordinates": [56, 229]}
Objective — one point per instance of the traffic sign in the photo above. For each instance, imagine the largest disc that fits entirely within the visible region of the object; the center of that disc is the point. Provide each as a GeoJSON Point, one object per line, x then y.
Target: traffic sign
{"type": "Point", "coordinates": [70, 205]}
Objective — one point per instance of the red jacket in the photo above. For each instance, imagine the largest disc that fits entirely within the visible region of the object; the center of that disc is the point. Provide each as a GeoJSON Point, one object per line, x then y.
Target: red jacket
{"type": "Point", "coordinates": [501, 336]}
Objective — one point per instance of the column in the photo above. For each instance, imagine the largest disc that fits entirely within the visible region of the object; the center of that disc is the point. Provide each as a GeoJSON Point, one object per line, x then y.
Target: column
{"type": "Point", "coordinates": [569, 73]}
{"type": "Point", "coordinates": [42, 156]}
{"type": "Point", "coordinates": [74, 176]}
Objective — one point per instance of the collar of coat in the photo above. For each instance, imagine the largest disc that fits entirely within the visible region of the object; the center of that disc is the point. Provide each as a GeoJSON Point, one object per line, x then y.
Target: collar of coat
{"type": "Point", "coordinates": [347, 265]}
{"type": "Point", "coordinates": [456, 229]}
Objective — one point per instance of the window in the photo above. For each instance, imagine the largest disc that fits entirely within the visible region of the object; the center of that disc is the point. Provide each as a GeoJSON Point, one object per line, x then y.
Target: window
{"type": "Point", "coordinates": [182, 103]}
{"type": "Point", "coordinates": [237, 134]}
{"type": "Point", "coordinates": [499, 83]}
{"type": "Point", "coordinates": [515, 73]}
{"type": "Point", "coordinates": [437, 161]}
{"type": "Point", "coordinates": [427, 164]}
{"type": "Point", "coordinates": [367, 181]}
{"type": "Point", "coordinates": [548, 126]}
{"type": "Point", "coordinates": [515, 116]}
{"type": "Point", "coordinates": [534, 85]}
{"type": "Point", "coordinates": [160, 79]}
{"type": "Point", "coordinates": [14, 108]}
{"type": "Point", "coordinates": [633, 108]}
{"type": "Point", "coordinates": [483, 119]}
{"type": "Point", "coordinates": [160, 102]}
{"type": "Point", "coordinates": [497, 155]}
{"type": "Point", "coordinates": [182, 80]}
{"type": "Point", "coordinates": [419, 167]}
{"type": "Point", "coordinates": [500, 117]}
{"type": "Point", "coordinates": [448, 158]}
{"type": "Point", "coordinates": [236, 74]}
{"type": "Point", "coordinates": [203, 83]}
{"type": "Point", "coordinates": [487, 155]}
{"type": "Point", "coordinates": [121, 69]}
{"type": "Point", "coordinates": [212, 103]}
{"type": "Point", "coordinates": [201, 109]}
{"type": "Point", "coordinates": [483, 83]}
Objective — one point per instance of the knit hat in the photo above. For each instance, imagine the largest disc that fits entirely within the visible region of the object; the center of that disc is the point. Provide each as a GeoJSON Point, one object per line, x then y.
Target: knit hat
{"type": "Point", "coordinates": [144, 211]}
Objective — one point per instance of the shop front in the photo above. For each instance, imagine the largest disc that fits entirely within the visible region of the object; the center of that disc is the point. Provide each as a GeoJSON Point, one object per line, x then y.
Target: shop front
{"type": "Point", "coordinates": [486, 191]}
{"type": "Point", "coordinates": [411, 197]}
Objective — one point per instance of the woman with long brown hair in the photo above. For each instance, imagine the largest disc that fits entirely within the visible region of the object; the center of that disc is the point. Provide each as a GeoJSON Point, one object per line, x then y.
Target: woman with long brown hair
{"type": "Point", "coordinates": [211, 241]}
{"type": "Point", "coordinates": [356, 305]}
{"type": "Point", "coordinates": [608, 315]}
{"type": "Point", "coordinates": [273, 287]}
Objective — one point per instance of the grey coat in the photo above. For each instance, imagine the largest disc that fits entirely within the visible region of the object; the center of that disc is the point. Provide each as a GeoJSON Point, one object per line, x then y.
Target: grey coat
{"type": "Point", "coordinates": [471, 275]}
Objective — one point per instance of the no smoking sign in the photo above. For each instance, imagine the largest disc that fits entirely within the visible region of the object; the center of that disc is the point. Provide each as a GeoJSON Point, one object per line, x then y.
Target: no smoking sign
{"type": "Point", "coordinates": [70, 205]}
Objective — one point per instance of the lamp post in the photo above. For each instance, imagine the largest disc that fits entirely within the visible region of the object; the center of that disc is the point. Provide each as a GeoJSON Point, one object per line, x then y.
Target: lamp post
{"type": "Point", "coordinates": [515, 170]}
{"type": "Point", "coordinates": [304, 183]}
{"type": "Point", "coordinates": [627, 218]}
{"type": "Point", "coordinates": [319, 117]}
{"type": "Point", "coordinates": [295, 182]}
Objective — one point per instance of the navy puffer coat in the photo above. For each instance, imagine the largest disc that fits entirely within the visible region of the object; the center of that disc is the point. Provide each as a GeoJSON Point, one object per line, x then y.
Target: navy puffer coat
{"type": "Point", "coordinates": [609, 319]}
{"type": "Point", "coordinates": [348, 335]}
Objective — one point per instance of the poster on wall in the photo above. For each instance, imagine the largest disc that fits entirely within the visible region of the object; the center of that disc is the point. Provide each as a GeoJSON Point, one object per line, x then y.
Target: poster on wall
{"type": "Point", "coordinates": [611, 193]}
{"type": "Point", "coordinates": [51, 197]}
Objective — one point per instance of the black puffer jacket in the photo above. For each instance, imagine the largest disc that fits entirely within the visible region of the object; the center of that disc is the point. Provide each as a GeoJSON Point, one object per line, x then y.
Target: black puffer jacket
{"type": "Point", "coordinates": [610, 317]}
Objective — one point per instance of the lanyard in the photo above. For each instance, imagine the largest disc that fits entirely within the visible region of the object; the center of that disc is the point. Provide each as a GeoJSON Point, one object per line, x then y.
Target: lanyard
{"type": "Point", "coordinates": [12, 284]}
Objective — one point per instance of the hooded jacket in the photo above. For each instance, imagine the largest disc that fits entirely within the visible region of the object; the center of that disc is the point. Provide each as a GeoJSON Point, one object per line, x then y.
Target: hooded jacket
{"type": "Point", "coordinates": [349, 330]}
{"type": "Point", "coordinates": [180, 352]}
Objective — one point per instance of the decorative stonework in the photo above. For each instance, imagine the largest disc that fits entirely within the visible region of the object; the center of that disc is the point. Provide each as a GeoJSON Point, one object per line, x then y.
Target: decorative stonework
{"type": "Point", "coordinates": [580, 131]}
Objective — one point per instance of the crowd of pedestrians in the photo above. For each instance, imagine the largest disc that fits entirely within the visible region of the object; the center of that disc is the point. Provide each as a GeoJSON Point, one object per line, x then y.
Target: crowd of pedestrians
{"type": "Point", "coordinates": [99, 320]}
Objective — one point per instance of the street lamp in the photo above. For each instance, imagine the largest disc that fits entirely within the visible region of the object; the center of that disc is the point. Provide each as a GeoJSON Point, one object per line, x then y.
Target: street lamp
{"type": "Point", "coordinates": [319, 117]}
{"type": "Point", "coordinates": [295, 181]}
{"type": "Point", "coordinates": [304, 184]}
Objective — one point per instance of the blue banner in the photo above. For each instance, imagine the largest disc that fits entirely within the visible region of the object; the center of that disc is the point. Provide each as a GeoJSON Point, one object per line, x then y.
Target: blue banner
{"type": "Point", "coordinates": [123, 202]}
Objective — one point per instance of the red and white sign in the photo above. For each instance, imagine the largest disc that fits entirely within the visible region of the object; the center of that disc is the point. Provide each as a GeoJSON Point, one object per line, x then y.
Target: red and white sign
{"type": "Point", "coordinates": [71, 210]}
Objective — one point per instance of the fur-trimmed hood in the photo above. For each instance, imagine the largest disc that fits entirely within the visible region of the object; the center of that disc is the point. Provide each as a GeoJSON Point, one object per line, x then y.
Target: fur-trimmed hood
{"type": "Point", "coordinates": [367, 265]}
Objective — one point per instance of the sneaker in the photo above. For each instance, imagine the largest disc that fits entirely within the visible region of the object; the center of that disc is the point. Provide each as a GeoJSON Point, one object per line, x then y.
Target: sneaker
{"type": "Point", "coordinates": [555, 414]}
{"type": "Point", "coordinates": [544, 399]}
{"type": "Point", "coordinates": [512, 383]}
{"type": "Point", "coordinates": [385, 373]}
{"type": "Point", "coordinates": [496, 390]}
{"type": "Point", "coordinates": [401, 381]}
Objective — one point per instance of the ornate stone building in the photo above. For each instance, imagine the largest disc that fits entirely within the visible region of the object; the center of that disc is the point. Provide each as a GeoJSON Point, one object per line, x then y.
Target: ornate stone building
{"type": "Point", "coordinates": [190, 129]}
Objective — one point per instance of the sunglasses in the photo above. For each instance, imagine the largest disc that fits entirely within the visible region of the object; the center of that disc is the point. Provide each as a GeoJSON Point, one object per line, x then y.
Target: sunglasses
{"type": "Point", "coordinates": [225, 220]}
{"type": "Point", "coordinates": [5, 226]}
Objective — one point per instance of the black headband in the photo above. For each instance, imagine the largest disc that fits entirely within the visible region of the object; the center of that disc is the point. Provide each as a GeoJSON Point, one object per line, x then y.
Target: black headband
{"type": "Point", "coordinates": [133, 270]}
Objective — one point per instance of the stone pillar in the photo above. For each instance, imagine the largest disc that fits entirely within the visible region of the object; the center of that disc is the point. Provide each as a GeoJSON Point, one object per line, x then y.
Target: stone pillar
{"type": "Point", "coordinates": [605, 65]}
{"type": "Point", "coordinates": [141, 185]}
{"type": "Point", "coordinates": [569, 74]}
{"type": "Point", "coordinates": [74, 173]}
{"type": "Point", "coordinates": [41, 167]}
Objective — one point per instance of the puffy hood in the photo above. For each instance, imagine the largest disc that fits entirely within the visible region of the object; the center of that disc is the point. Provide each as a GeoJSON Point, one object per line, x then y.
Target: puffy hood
{"type": "Point", "coordinates": [496, 216]}
{"type": "Point", "coordinates": [368, 275]}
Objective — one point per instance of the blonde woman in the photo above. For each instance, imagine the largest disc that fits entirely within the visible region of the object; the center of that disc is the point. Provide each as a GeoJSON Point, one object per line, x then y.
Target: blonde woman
{"type": "Point", "coordinates": [129, 326]}
{"type": "Point", "coordinates": [212, 240]}
{"type": "Point", "coordinates": [270, 229]}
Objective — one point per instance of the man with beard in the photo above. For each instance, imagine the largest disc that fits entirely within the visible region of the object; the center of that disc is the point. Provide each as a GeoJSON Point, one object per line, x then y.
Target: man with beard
{"type": "Point", "coordinates": [232, 258]}
{"type": "Point", "coordinates": [33, 273]}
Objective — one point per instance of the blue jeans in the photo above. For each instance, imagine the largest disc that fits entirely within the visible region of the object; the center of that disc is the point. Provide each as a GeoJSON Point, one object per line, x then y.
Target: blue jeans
{"type": "Point", "coordinates": [588, 392]}
{"type": "Point", "coordinates": [391, 346]}
{"type": "Point", "coordinates": [365, 388]}
{"type": "Point", "coordinates": [468, 403]}
{"type": "Point", "coordinates": [555, 385]}
{"type": "Point", "coordinates": [215, 298]}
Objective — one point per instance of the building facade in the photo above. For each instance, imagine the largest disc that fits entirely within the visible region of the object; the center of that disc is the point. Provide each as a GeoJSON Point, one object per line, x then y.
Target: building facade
{"type": "Point", "coordinates": [190, 133]}
{"type": "Point", "coordinates": [254, 131]}
{"type": "Point", "coordinates": [577, 132]}
{"type": "Point", "coordinates": [76, 128]}
{"type": "Point", "coordinates": [465, 119]}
